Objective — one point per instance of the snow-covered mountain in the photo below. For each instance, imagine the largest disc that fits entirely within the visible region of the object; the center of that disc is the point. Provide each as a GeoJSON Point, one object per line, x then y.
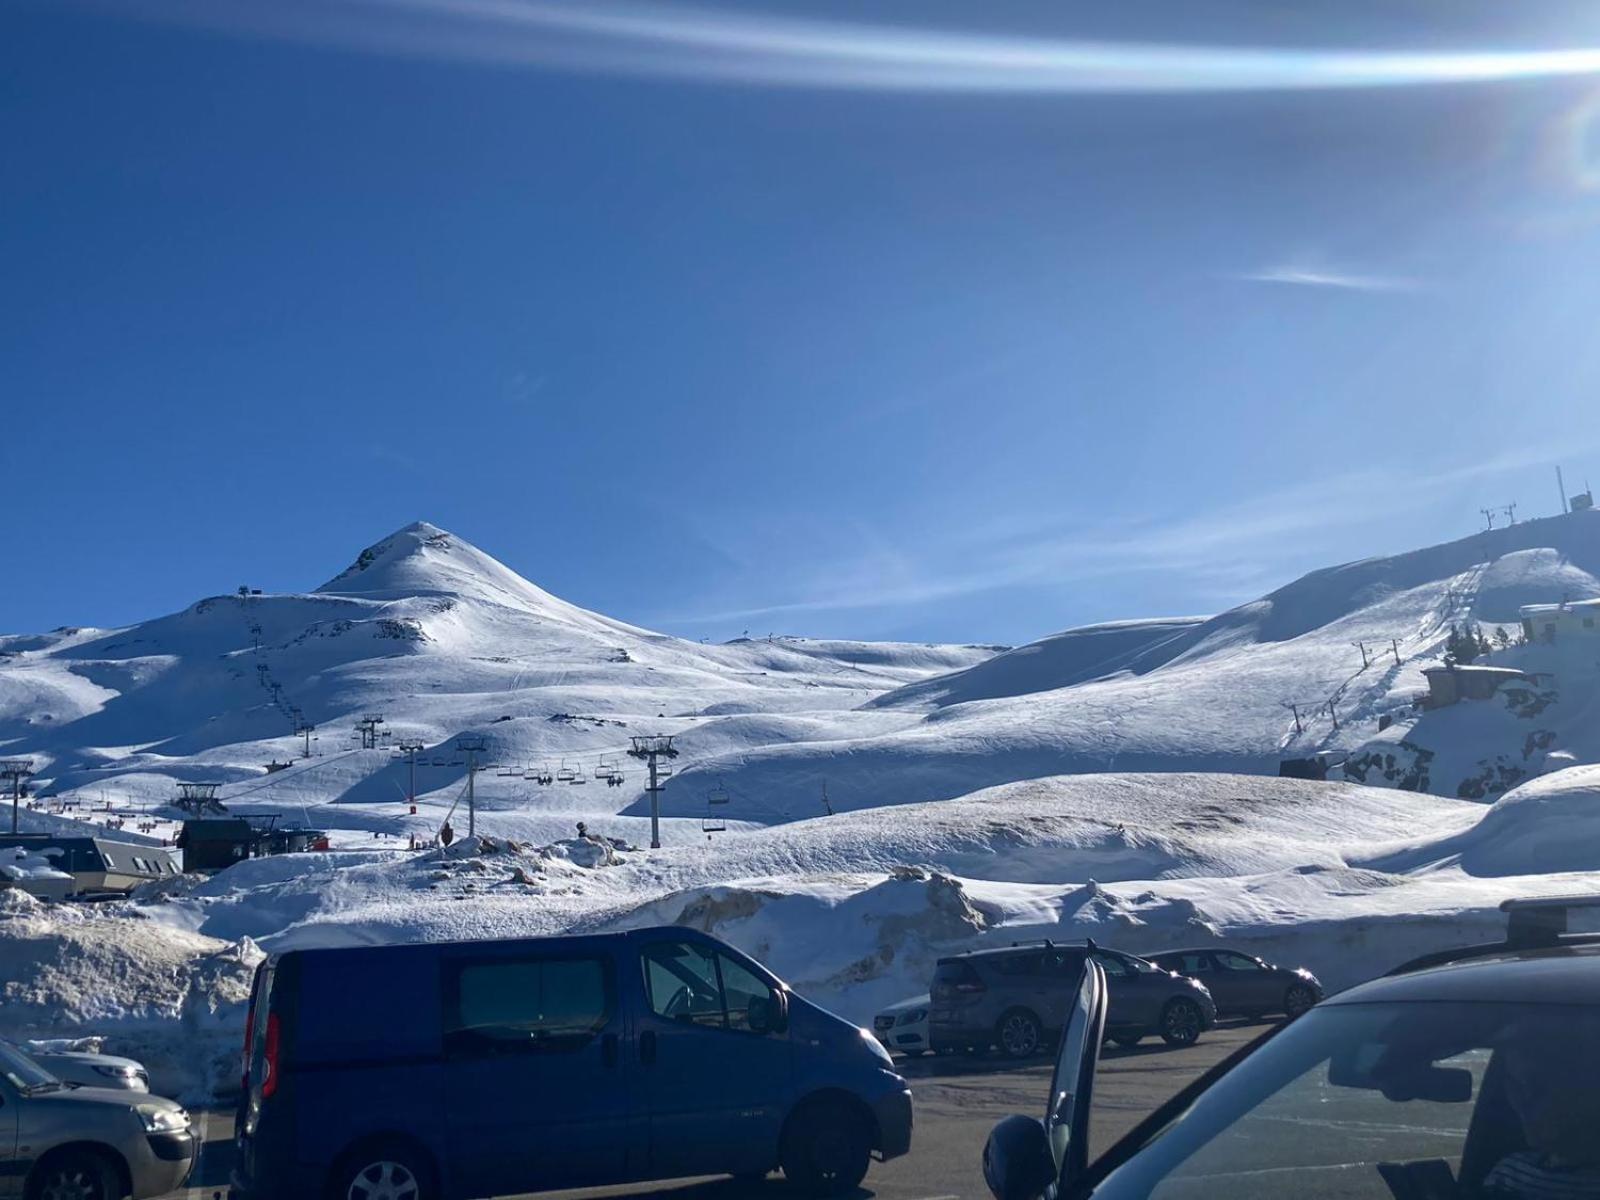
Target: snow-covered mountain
{"type": "Point", "coordinates": [1213, 695]}
{"type": "Point", "coordinates": [441, 640]}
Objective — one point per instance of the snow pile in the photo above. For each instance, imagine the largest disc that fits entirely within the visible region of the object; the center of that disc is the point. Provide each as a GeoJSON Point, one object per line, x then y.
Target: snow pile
{"type": "Point", "coordinates": [169, 997]}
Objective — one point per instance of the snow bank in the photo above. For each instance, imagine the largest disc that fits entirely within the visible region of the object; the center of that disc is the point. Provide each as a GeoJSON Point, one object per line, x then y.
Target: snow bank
{"type": "Point", "coordinates": [171, 998]}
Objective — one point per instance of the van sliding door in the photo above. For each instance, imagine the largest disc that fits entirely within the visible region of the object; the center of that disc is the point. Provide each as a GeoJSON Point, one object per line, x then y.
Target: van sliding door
{"type": "Point", "coordinates": [535, 1077]}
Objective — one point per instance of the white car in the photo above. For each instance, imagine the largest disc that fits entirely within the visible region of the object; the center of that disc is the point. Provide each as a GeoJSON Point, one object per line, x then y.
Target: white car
{"type": "Point", "coordinates": [903, 1027]}
{"type": "Point", "coordinates": [86, 1069]}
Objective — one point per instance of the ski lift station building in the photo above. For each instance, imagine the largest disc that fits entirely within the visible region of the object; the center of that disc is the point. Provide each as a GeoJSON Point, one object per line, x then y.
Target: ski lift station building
{"type": "Point", "coordinates": [1558, 622]}
{"type": "Point", "coordinates": [91, 866]}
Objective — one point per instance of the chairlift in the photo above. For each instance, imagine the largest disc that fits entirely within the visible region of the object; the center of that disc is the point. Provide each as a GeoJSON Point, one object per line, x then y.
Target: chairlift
{"type": "Point", "coordinates": [438, 762]}
{"type": "Point", "coordinates": [710, 824]}
{"type": "Point", "coordinates": [458, 762]}
{"type": "Point", "coordinates": [615, 779]}
{"type": "Point", "coordinates": [566, 774]}
{"type": "Point", "coordinates": [718, 795]}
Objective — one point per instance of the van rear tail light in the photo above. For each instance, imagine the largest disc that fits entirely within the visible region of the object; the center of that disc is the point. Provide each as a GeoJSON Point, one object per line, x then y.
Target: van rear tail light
{"type": "Point", "coordinates": [269, 1058]}
{"type": "Point", "coordinates": [972, 985]}
{"type": "Point", "coordinates": [249, 1044]}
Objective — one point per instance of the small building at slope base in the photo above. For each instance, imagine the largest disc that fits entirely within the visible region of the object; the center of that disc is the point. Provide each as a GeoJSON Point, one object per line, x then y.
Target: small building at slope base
{"type": "Point", "coordinates": [1551, 623]}
{"type": "Point", "coordinates": [1448, 685]}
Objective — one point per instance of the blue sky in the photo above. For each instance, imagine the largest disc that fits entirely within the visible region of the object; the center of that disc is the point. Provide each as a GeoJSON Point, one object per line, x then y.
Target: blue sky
{"type": "Point", "coordinates": [760, 318]}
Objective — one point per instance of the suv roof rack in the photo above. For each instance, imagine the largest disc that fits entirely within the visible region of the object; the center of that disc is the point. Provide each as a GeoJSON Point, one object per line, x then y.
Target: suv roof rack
{"type": "Point", "coordinates": [1531, 924]}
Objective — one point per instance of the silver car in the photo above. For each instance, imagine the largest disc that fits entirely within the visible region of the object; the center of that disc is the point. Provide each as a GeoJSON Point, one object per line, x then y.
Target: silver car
{"type": "Point", "coordinates": [58, 1141]}
{"type": "Point", "coordinates": [87, 1069]}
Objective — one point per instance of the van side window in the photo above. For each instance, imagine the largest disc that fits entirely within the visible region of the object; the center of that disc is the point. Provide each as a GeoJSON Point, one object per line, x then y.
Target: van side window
{"type": "Point", "coordinates": [1114, 966]}
{"type": "Point", "coordinates": [525, 1005]}
{"type": "Point", "coordinates": [682, 983]}
{"type": "Point", "coordinates": [696, 985]}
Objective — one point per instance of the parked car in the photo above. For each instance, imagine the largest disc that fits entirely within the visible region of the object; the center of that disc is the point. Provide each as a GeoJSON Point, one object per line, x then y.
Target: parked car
{"type": "Point", "coordinates": [488, 1068]}
{"type": "Point", "coordinates": [1465, 1073]}
{"type": "Point", "coordinates": [1017, 998]}
{"type": "Point", "coordinates": [1243, 985]}
{"type": "Point", "coordinates": [83, 1068]}
{"type": "Point", "coordinates": [86, 1143]}
{"type": "Point", "coordinates": [903, 1027]}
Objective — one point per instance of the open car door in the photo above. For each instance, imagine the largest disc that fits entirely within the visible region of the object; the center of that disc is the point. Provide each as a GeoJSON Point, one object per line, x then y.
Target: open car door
{"type": "Point", "coordinates": [1027, 1158]}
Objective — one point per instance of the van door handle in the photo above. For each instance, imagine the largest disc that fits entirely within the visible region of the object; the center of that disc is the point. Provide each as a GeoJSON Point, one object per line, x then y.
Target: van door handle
{"type": "Point", "coordinates": [608, 1049]}
{"type": "Point", "coordinates": [647, 1047]}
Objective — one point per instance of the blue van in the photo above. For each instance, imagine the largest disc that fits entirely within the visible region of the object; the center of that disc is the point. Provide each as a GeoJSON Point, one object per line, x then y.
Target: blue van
{"type": "Point", "coordinates": [459, 1069]}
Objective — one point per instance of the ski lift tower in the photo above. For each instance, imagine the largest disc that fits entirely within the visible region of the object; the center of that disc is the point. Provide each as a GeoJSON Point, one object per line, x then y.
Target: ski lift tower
{"type": "Point", "coordinates": [651, 749]}
{"type": "Point", "coordinates": [471, 747]}
{"type": "Point", "coordinates": [368, 728]}
{"type": "Point", "coordinates": [14, 771]}
{"type": "Point", "coordinates": [197, 798]}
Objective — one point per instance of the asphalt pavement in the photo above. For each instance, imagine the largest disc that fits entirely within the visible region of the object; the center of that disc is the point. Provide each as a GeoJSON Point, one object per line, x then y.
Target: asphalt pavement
{"type": "Point", "coordinates": [958, 1100]}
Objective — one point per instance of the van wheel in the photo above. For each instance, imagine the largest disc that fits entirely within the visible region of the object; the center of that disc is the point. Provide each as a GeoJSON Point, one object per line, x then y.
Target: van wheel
{"type": "Point", "coordinates": [1127, 1040]}
{"type": "Point", "coordinates": [826, 1151]}
{"type": "Point", "coordinates": [1019, 1034]}
{"type": "Point", "coordinates": [387, 1171]}
{"type": "Point", "coordinates": [1180, 1022]}
{"type": "Point", "coordinates": [75, 1175]}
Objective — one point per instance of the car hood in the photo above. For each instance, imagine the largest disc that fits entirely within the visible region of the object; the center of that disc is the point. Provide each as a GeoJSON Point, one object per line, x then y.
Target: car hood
{"type": "Point", "coordinates": [87, 1059]}
{"type": "Point", "coordinates": [905, 1006]}
{"type": "Point", "coordinates": [100, 1098]}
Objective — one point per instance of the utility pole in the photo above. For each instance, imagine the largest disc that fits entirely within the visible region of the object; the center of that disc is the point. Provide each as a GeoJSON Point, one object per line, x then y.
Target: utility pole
{"type": "Point", "coordinates": [471, 747]}
{"type": "Point", "coordinates": [305, 730]}
{"type": "Point", "coordinates": [15, 770]}
{"type": "Point", "coordinates": [651, 748]}
{"type": "Point", "coordinates": [1365, 661]}
{"type": "Point", "coordinates": [368, 728]}
{"type": "Point", "coordinates": [409, 749]}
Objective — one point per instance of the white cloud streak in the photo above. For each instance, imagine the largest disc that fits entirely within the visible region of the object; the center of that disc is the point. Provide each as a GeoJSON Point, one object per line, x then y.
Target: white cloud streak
{"type": "Point", "coordinates": [1296, 276]}
{"type": "Point", "coordinates": [679, 41]}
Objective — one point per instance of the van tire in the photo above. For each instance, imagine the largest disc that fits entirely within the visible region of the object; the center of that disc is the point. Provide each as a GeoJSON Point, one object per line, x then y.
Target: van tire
{"type": "Point", "coordinates": [76, 1171]}
{"type": "Point", "coordinates": [826, 1150]}
{"type": "Point", "coordinates": [389, 1169]}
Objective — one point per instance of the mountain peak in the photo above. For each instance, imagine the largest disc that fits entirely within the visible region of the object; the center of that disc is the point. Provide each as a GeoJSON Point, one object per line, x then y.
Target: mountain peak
{"type": "Point", "coordinates": [422, 559]}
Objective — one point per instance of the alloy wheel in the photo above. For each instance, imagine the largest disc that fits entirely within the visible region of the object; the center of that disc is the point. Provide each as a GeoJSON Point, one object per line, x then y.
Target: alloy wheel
{"type": "Point", "coordinates": [383, 1180]}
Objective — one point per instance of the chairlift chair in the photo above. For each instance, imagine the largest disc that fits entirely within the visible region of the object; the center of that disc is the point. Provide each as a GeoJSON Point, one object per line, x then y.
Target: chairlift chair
{"type": "Point", "coordinates": [438, 762]}
{"type": "Point", "coordinates": [718, 795]}
{"type": "Point", "coordinates": [565, 774]}
{"type": "Point", "coordinates": [712, 824]}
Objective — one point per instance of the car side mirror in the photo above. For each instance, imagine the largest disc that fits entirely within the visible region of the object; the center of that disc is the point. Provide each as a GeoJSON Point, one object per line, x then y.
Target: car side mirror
{"type": "Point", "coordinates": [1017, 1162]}
{"type": "Point", "coordinates": [768, 1014]}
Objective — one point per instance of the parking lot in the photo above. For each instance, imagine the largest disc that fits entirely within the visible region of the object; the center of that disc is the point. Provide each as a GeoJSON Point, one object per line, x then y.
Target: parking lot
{"type": "Point", "coordinates": [957, 1101]}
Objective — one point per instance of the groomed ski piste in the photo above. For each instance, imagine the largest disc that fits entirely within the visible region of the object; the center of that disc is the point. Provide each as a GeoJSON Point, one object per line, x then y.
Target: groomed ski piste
{"type": "Point", "coordinates": [1115, 782]}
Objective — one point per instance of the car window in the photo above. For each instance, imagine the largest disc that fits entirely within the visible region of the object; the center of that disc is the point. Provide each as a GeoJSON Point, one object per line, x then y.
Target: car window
{"type": "Point", "coordinates": [525, 1005]}
{"type": "Point", "coordinates": [750, 1003]}
{"type": "Point", "coordinates": [1114, 966]}
{"type": "Point", "coordinates": [22, 1072]}
{"type": "Point", "coordinates": [1020, 964]}
{"type": "Point", "coordinates": [1347, 1090]}
{"type": "Point", "coordinates": [1193, 964]}
{"type": "Point", "coordinates": [1228, 960]}
{"type": "Point", "coordinates": [681, 981]}
{"type": "Point", "coordinates": [1064, 962]}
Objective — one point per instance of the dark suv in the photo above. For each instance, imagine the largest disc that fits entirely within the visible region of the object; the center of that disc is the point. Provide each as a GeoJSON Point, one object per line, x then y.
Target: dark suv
{"type": "Point", "coordinates": [1017, 999]}
{"type": "Point", "coordinates": [1243, 985]}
